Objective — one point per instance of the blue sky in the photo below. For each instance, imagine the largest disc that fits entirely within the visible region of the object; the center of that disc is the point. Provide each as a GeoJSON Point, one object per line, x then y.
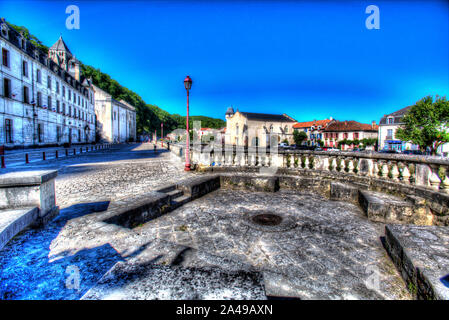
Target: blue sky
{"type": "Point", "coordinates": [310, 60]}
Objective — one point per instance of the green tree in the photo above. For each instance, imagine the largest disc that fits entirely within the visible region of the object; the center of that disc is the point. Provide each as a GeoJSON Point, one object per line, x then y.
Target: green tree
{"type": "Point", "coordinates": [425, 123]}
{"type": "Point", "coordinates": [299, 137]}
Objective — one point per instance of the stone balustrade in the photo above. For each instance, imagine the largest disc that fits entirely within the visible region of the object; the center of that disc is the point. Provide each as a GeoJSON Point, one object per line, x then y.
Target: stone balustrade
{"type": "Point", "coordinates": [429, 172]}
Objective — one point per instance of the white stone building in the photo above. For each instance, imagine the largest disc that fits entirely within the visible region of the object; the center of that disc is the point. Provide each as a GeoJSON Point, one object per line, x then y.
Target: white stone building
{"type": "Point", "coordinates": [254, 129]}
{"type": "Point", "coordinates": [43, 100]}
{"type": "Point", "coordinates": [388, 125]}
{"type": "Point", "coordinates": [116, 120]}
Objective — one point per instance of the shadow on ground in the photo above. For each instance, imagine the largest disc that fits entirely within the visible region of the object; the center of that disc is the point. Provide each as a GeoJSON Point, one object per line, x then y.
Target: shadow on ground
{"type": "Point", "coordinates": [28, 273]}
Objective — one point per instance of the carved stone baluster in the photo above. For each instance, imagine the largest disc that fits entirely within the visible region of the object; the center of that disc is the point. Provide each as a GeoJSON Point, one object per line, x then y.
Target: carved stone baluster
{"type": "Point", "coordinates": [394, 171]}
{"type": "Point", "coordinates": [350, 166]}
{"type": "Point", "coordinates": [334, 163]}
{"type": "Point", "coordinates": [434, 179]}
{"type": "Point", "coordinates": [376, 168]}
{"type": "Point", "coordinates": [243, 159]}
{"type": "Point", "coordinates": [405, 174]}
{"type": "Point", "coordinates": [445, 182]}
{"type": "Point", "coordinates": [259, 160]}
{"type": "Point", "coordinates": [384, 170]}
{"type": "Point", "coordinates": [306, 162]}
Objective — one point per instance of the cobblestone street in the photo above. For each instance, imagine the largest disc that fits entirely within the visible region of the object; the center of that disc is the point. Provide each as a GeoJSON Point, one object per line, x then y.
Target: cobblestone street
{"type": "Point", "coordinates": [112, 174]}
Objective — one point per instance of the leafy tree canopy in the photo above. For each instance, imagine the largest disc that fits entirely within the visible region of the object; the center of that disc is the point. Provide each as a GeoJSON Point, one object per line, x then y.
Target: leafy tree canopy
{"type": "Point", "coordinates": [425, 123]}
{"type": "Point", "coordinates": [299, 137]}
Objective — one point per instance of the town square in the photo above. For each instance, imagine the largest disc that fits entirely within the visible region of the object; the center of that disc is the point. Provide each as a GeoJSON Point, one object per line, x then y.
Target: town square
{"type": "Point", "coordinates": [301, 160]}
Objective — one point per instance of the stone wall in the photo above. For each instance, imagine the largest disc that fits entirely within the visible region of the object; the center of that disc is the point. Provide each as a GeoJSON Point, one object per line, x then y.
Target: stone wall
{"type": "Point", "coordinates": [424, 181]}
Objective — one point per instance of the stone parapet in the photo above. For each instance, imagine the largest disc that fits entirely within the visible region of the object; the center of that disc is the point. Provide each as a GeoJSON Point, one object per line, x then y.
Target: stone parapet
{"type": "Point", "coordinates": [30, 189]}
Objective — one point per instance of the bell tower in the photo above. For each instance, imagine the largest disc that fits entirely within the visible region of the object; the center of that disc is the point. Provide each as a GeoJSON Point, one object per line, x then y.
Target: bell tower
{"type": "Point", "coordinates": [60, 54]}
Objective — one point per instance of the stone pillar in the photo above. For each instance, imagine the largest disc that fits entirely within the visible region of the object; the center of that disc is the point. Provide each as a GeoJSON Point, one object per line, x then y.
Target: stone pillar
{"type": "Point", "coordinates": [30, 189]}
{"type": "Point", "coordinates": [422, 175]}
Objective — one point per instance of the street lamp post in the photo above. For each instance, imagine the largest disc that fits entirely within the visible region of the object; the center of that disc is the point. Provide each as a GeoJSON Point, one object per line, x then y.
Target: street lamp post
{"type": "Point", "coordinates": [188, 85]}
{"type": "Point", "coordinates": [162, 133]}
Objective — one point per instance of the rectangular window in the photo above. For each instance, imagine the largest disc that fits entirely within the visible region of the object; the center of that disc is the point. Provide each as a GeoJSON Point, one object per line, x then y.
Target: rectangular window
{"type": "Point", "coordinates": [38, 76]}
{"type": "Point", "coordinates": [8, 130]}
{"type": "Point", "coordinates": [57, 87]}
{"type": "Point", "coordinates": [390, 133]}
{"type": "Point", "coordinates": [5, 57]}
{"type": "Point", "coordinates": [49, 105]}
{"type": "Point", "coordinates": [58, 134]}
{"type": "Point", "coordinates": [63, 91]}
{"type": "Point", "coordinates": [25, 68]}
{"type": "Point", "coordinates": [70, 94]}
{"type": "Point", "coordinates": [63, 108]}
{"type": "Point", "coordinates": [7, 88]}
{"type": "Point", "coordinates": [356, 135]}
{"type": "Point", "coordinates": [39, 99]}
{"type": "Point", "coordinates": [26, 95]}
{"type": "Point", "coordinates": [57, 106]}
{"type": "Point", "coordinates": [40, 132]}
{"type": "Point", "coordinates": [48, 82]}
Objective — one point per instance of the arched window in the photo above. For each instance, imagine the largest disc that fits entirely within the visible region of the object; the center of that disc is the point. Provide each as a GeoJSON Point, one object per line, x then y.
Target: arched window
{"type": "Point", "coordinates": [286, 129]}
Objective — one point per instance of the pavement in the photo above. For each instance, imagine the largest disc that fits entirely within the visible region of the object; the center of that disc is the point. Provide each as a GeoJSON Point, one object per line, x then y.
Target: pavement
{"type": "Point", "coordinates": [17, 157]}
{"type": "Point", "coordinates": [326, 250]}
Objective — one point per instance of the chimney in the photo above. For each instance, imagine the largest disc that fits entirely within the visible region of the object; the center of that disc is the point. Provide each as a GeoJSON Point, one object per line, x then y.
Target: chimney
{"type": "Point", "coordinates": [373, 124]}
{"type": "Point", "coordinates": [330, 118]}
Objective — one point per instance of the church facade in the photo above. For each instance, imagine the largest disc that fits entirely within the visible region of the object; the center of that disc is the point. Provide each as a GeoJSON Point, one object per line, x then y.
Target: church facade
{"type": "Point", "coordinates": [44, 101]}
{"type": "Point", "coordinates": [254, 129]}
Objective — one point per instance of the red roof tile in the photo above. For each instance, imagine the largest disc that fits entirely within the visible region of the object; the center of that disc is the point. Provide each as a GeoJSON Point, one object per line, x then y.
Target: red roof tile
{"type": "Point", "coordinates": [350, 126]}
{"type": "Point", "coordinates": [308, 124]}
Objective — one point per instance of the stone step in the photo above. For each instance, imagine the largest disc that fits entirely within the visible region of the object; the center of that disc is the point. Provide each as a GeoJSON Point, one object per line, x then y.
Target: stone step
{"type": "Point", "coordinates": [13, 221]}
{"type": "Point", "coordinates": [421, 255]}
{"type": "Point", "coordinates": [175, 194]}
{"type": "Point", "coordinates": [385, 208]}
{"type": "Point", "coordinates": [180, 201]}
{"type": "Point", "coordinates": [166, 188]}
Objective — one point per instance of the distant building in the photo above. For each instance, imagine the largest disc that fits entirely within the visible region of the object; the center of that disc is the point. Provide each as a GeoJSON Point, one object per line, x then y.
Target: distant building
{"type": "Point", "coordinates": [116, 120]}
{"type": "Point", "coordinates": [43, 98]}
{"type": "Point", "coordinates": [349, 130]}
{"type": "Point", "coordinates": [388, 125]}
{"type": "Point", "coordinates": [314, 129]}
{"type": "Point", "coordinates": [253, 129]}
